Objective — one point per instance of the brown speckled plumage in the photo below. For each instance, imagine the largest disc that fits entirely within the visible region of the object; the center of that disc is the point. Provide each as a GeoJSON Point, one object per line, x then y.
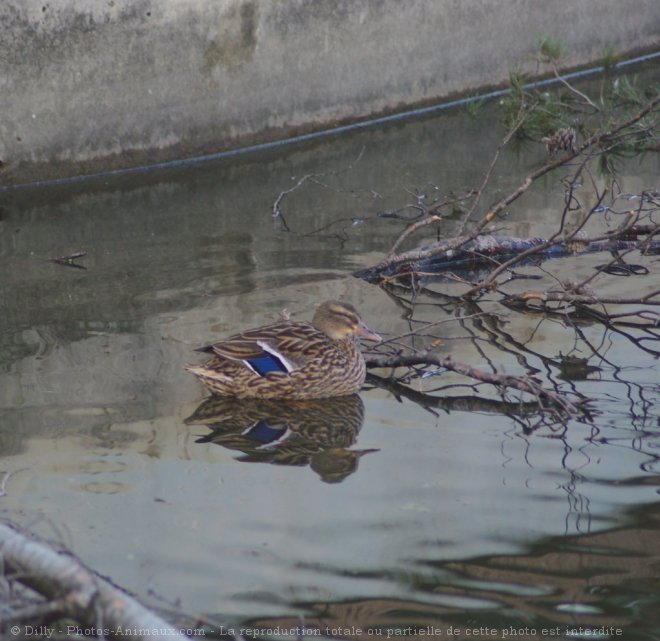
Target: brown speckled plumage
{"type": "Point", "coordinates": [322, 358]}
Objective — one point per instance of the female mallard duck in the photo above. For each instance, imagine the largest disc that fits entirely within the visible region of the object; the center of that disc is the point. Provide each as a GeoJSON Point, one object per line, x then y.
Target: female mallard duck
{"type": "Point", "coordinates": [291, 359]}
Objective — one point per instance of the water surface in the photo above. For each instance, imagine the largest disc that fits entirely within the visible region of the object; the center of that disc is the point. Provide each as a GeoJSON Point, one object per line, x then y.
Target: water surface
{"type": "Point", "coordinates": [400, 515]}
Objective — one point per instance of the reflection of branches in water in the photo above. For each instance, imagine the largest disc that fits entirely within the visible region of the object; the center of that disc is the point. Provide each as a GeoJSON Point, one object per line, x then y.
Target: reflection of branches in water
{"type": "Point", "coordinates": [640, 329]}
{"type": "Point", "coordinates": [647, 323]}
{"type": "Point", "coordinates": [481, 327]}
{"type": "Point", "coordinates": [528, 415]}
{"type": "Point", "coordinates": [586, 359]}
{"type": "Point", "coordinates": [546, 399]}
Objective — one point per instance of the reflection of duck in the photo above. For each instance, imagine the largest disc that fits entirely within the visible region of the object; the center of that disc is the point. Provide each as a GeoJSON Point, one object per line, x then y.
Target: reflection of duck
{"type": "Point", "coordinates": [314, 432]}
{"type": "Point", "coordinates": [291, 359]}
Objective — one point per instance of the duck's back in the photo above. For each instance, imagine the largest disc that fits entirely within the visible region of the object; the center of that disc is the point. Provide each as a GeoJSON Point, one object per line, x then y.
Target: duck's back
{"type": "Point", "coordinates": [286, 360]}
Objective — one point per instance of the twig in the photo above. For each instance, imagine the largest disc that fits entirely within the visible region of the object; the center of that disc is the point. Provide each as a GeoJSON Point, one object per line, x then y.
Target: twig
{"type": "Point", "coordinates": [433, 216]}
{"type": "Point", "coordinates": [411, 229]}
{"type": "Point", "coordinates": [570, 87]}
{"type": "Point", "coordinates": [505, 141]}
{"type": "Point", "coordinates": [277, 212]}
{"type": "Point", "coordinates": [276, 209]}
{"type": "Point", "coordinates": [427, 326]}
{"type": "Point", "coordinates": [470, 403]}
{"type": "Point", "coordinates": [553, 241]}
{"type": "Point", "coordinates": [523, 384]}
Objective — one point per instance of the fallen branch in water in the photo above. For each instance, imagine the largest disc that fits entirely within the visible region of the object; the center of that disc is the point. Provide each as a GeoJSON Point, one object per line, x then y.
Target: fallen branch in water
{"type": "Point", "coordinates": [526, 384]}
{"type": "Point", "coordinates": [72, 591]}
{"type": "Point", "coordinates": [497, 253]}
{"type": "Point", "coordinates": [411, 263]}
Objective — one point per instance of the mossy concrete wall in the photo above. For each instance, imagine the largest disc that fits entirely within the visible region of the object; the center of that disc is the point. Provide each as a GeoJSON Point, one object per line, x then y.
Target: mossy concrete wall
{"type": "Point", "coordinates": [93, 85]}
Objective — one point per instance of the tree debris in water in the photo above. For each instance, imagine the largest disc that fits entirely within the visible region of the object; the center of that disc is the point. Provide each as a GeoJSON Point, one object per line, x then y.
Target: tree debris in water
{"type": "Point", "coordinates": [466, 276]}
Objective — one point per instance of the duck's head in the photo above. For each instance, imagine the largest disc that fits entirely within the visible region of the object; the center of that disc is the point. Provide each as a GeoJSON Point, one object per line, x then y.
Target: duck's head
{"type": "Point", "coordinates": [340, 320]}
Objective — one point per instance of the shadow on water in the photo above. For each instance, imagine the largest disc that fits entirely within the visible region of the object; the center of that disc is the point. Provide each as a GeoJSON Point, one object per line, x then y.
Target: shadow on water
{"type": "Point", "coordinates": [471, 510]}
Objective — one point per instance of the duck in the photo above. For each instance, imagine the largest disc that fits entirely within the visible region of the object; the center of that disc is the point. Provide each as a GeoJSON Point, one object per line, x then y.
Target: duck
{"type": "Point", "coordinates": [293, 360]}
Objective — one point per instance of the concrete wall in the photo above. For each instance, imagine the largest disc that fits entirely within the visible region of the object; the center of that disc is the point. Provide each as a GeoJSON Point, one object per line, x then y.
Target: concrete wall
{"type": "Point", "coordinates": [91, 85]}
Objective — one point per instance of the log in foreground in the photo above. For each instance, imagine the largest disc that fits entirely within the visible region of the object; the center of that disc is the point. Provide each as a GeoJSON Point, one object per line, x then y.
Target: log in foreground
{"type": "Point", "coordinates": [74, 591]}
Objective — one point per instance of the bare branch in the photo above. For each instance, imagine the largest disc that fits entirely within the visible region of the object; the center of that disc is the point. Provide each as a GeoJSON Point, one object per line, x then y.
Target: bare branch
{"type": "Point", "coordinates": [411, 229]}
{"type": "Point", "coordinates": [78, 592]}
{"type": "Point", "coordinates": [522, 384]}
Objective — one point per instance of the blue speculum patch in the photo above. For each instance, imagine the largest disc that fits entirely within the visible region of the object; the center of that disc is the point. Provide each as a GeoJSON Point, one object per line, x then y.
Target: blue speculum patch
{"type": "Point", "coordinates": [267, 363]}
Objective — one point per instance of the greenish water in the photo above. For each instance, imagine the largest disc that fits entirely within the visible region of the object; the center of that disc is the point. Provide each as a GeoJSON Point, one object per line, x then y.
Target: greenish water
{"type": "Point", "coordinates": [400, 516]}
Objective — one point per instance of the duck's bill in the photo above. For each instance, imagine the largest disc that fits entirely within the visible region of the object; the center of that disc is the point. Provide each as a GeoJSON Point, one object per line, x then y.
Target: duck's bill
{"type": "Point", "coordinates": [364, 332]}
